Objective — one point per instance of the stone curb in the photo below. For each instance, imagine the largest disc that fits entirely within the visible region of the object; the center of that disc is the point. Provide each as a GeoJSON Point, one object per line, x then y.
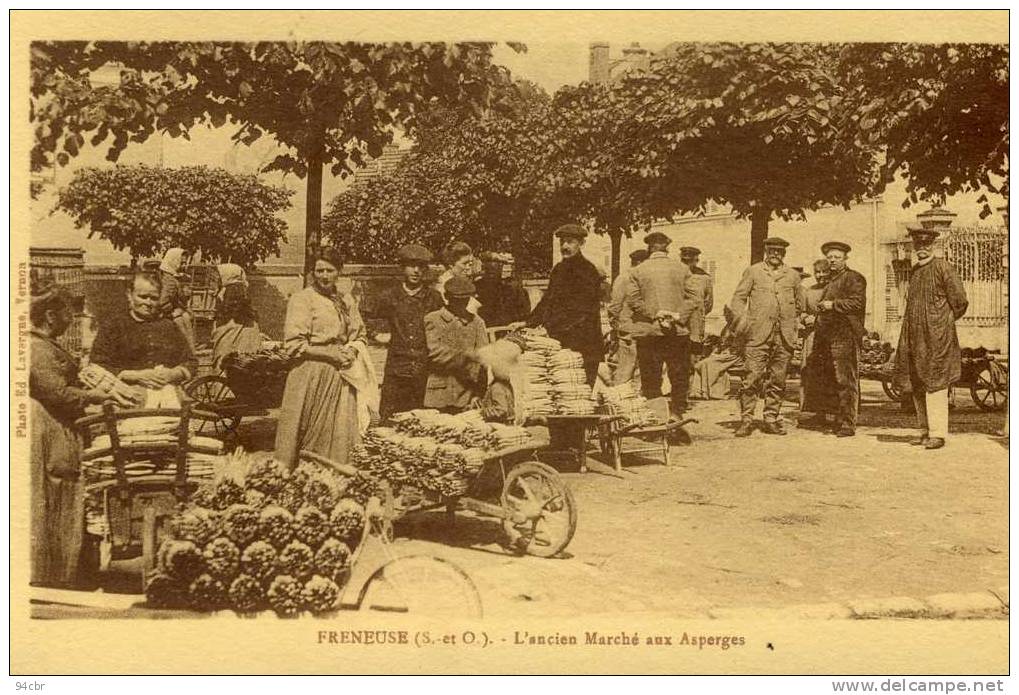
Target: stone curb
{"type": "Point", "coordinates": [987, 604]}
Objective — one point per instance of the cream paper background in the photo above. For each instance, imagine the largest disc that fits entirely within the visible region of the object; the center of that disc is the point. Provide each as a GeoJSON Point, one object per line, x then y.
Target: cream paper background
{"type": "Point", "coordinates": [211, 645]}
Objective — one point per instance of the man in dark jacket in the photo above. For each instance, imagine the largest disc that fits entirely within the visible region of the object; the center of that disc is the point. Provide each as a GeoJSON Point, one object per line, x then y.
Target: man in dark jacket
{"type": "Point", "coordinates": [503, 300]}
{"type": "Point", "coordinates": [570, 310]}
{"type": "Point", "coordinates": [403, 306]}
{"type": "Point", "coordinates": [839, 332]}
{"type": "Point", "coordinates": [928, 351]}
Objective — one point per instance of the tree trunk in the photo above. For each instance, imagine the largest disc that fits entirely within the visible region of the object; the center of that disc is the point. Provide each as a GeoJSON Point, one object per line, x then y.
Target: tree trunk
{"type": "Point", "coordinates": [758, 233]}
{"type": "Point", "coordinates": [313, 214]}
{"type": "Point", "coordinates": [616, 237]}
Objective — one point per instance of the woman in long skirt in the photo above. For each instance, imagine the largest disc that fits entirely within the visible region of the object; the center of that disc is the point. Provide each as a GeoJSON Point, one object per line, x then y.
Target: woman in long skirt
{"type": "Point", "coordinates": [332, 394]}
{"type": "Point", "coordinates": [57, 400]}
{"type": "Point", "coordinates": [817, 374]}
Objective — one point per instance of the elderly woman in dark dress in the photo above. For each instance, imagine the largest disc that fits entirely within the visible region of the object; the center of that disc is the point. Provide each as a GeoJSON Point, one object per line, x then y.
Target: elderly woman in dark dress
{"type": "Point", "coordinates": [332, 394]}
{"type": "Point", "coordinates": [57, 400]}
{"type": "Point", "coordinates": [143, 347]}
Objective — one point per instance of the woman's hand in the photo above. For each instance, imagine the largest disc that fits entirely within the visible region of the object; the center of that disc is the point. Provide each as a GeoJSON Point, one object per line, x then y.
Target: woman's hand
{"type": "Point", "coordinates": [346, 356]}
{"type": "Point", "coordinates": [170, 375]}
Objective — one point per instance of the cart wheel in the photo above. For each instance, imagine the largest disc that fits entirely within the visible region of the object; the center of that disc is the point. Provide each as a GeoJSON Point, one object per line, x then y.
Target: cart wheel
{"type": "Point", "coordinates": [988, 393]}
{"type": "Point", "coordinates": [890, 390]}
{"type": "Point", "coordinates": [422, 585]}
{"type": "Point", "coordinates": [211, 393]}
{"type": "Point", "coordinates": [541, 515]}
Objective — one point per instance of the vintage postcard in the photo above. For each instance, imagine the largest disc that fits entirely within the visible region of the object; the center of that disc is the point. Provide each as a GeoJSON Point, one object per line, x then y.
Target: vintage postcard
{"type": "Point", "coordinates": [523, 342]}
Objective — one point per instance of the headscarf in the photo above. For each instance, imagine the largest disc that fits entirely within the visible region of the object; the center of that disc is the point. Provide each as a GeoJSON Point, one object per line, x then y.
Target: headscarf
{"type": "Point", "coordinates": [172, 260]}
{"type": "Point", "coordinates": [230, 274]}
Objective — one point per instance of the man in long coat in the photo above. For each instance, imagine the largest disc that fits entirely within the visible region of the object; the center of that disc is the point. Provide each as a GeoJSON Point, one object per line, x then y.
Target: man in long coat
{"type": "Point", "coordinates": [570, 310]}
{"type": "Point", "coordinates": [766, 305]}
{"type": "Point", "coordinates": [928, 352]}
{"type": "Point", "coordinates": [839, 332]}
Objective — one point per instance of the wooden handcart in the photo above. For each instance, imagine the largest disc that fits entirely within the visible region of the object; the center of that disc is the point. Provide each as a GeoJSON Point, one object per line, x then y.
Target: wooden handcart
{"type": "Point", "coordinates": [984, 376]}
{"type": "Point", "coordinates": [234, 394]}
{"type": "Point", "coordinates": [620, 438]}
{"type": "Point", "coordinates": [534, 505]}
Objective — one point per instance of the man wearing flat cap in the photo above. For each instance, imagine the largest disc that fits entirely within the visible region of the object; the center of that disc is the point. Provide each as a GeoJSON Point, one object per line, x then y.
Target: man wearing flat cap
{"type": "Point", "coordinates": [403, 306]}
{"type": "Point", "coordinates": [662, 299]}
{"type": "Point", "coordinates": [570, 309]}
{"type": "Point", "coordinates": [454, 334]}
{"type": "Point", "coordinates": [839, 332]}
{"type": "Point", "coordinates": [766, 306]}
{"type": "Point", "coordinates": [703, 286]}
{"type": "Point", "coordinates": [621, 321]}
{"type": "Point", "coordinates": [928, 353]}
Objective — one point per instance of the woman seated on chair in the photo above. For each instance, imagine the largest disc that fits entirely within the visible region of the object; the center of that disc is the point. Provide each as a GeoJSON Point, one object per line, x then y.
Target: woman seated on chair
{"type": "Point", "coordinates": [142, 347]}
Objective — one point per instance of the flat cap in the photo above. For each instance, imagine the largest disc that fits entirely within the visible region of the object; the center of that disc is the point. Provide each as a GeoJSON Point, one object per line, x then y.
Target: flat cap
{"type": "Point", "coordinates": [639, 255]}
{"type": "Point", "coordinates": [414, 253]}
{"type": "Point", "coordinates": [458, 286]}
{"type": "Point", "coordinates": [837, 246]}
{"type": "Point", "coordinates": [689, 251]}
{"type": "Point", "coordinates": [657, 238]}
{"type": "Point", "coordinates": [776, 241]}
{"type": "Point", "coordinates": [571, 231]}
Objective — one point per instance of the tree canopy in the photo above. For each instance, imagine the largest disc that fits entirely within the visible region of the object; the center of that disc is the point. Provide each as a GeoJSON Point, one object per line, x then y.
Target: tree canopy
{"type": "Point", "coordinates": [325, 103]}
{"type": "Point", "coordinates": [472, 177]}
{"type": "Point", "coordinates": [937, 114]}
{"type": "Point", "coordinates": [146, 210]}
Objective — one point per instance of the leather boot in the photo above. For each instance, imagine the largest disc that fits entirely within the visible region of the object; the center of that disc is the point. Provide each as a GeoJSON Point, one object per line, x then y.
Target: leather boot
{"type": "Point", "coordinates": [745, 429]}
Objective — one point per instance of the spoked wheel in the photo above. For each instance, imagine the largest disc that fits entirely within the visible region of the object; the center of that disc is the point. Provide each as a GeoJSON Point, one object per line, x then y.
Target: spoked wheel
{"type": "Point", "coordinates": [890, 390]}
{"type": "Point", "coordinates": [541, 515]}
{"type": "Point", "coordinates": [212, 393]}
{"type": "Point", "coordinates": [422, 585]}
{"type": "Point", "coordinates": [987, 392]}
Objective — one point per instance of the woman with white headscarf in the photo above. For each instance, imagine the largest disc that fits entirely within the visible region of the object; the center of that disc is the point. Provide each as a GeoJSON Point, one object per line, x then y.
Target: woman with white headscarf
{"type": "Point", "coordinates": [236, 322]}
{"type": "Point", "coordinates": [173, 302]}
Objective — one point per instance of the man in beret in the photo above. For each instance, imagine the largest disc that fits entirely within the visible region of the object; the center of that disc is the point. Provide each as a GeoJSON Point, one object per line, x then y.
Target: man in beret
{"type": "Point", "coordinates": [766, 307]}
{"type": "Point", "coordinates": [454, 334]}
{"type": "Point", "coordinates": [928, 353]}
{"type": "Point", "coordinates": [621, 321]}
{"type": "Point", "coordinates": [662, 300]}
{"type": "Point", "coordinates": [504, 301]}
{"type": "Point", "coordinates": [839, 332]}
{"type": "Point", "coordinates": [703, 286]}
{"type": "Point", "coordinates": [570, 309]}
{"type": "Point", "coordinates": [403, 306]}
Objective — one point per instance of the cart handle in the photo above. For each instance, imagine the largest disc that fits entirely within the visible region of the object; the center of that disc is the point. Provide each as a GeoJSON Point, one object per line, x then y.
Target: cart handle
{"type": "Point", "coordinates": [119, 415]}
{"type": "Point", "coordinates": [339, 467]}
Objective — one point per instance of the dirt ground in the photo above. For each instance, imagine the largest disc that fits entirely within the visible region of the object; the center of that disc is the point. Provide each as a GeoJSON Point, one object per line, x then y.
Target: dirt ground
{"type": "Point", "coordinates": [764, 522]}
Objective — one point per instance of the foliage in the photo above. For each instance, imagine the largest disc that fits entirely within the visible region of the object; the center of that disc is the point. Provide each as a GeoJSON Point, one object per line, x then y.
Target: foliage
{"type": "Point", "coordinates": [146, 210]}
{"type": "Point", "coordinates": [324, 103]}
{"type": "Point", "coordinates": [476, 178]}
{"type": "Point", "coordinates": [754, 126]}
{"type": "Point", "coordinates": [938, 114]}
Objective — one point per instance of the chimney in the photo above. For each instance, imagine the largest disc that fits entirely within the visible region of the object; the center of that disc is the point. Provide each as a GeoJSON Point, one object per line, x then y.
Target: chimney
{"type": "Point", "coordinates": [598, 68]}
{"type": "Point", "coordinates": [636, 58]}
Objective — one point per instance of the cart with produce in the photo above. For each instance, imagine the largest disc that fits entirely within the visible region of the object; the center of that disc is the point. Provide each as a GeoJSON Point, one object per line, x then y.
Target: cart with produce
{"type": "Point", "coordinates": [429, 460]}
{"type": "Point", "coordinates": [250, 384]}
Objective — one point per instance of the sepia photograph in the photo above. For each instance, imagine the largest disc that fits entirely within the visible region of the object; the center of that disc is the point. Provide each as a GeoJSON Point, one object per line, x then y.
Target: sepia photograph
{"type": "Point", "coordinates": [523, 342]}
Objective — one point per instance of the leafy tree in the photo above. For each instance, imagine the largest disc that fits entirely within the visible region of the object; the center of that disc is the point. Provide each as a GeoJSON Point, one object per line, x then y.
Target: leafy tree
{"type": "Point", "coordinates": [324, 103]}
{"type": "Point", "coordinates": [937, 113]}
{"type": "Point", "coordinates": [478, 178]}
{"type": "Point", "coordinates": [146, 210]}
{"type": "Point", "coordinates": [754, 126]}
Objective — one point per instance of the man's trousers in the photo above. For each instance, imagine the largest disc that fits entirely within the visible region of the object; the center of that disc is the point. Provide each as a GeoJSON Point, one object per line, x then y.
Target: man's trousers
{"type": "Point", "coordinates": [766, 367]}
{"type": "Point", "coordinates": [674, 352]}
